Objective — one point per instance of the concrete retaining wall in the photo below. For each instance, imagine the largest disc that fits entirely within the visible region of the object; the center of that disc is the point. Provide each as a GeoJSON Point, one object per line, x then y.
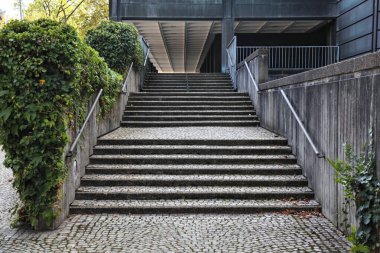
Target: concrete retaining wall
{"type": "Point", "coordinates": [95, 127]}
{"type": "Point", "coordinates": [337, 104]}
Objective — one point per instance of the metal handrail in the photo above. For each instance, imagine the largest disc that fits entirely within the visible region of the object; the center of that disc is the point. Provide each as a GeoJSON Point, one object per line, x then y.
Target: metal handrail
{"type": "Point", "coordinates": [232, 40]}
{"type": "Point", "coordinates": [301, 125]}
{"type": "Point", "coordinates": [251, 76]}
{"type": "Point", "coordinates": [229, 57]}
{"type": "Point", "coordinates": [146, 57]}
{"type": "Point", "coordinates": [124, 88]}
{"type": "Point", "coordinates": [316, 151]}
{"type": "Point", "coordinates": [232, 69]}
{"type": "Point", "coordinates": [84, 123]}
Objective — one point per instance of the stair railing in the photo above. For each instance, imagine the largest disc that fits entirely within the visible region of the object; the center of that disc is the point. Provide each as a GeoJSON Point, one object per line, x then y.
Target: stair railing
{"type": "Point", "coordinates": [146, 56]}
{"type": "Point", "coordinates": [293, 57]}
{"type": "Point", "coordinates": [316, 151]}
{"type": "Point", "coordinates": [124, 88]}
{"type": "Point", "coordinates": [144, 71]}
{"type": "Point", "coordinates": [73, 146]}
{"type": "Point", "coordinates": [231, 55]}
{"type": "Point", "coordinates": [251, 77]}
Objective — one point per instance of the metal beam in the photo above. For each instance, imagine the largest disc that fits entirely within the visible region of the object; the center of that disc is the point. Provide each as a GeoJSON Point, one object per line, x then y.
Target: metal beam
{"type": "Point", "coordinates": [204, 44]}
{"type": "Point", "coordinates": [262, 27]}
{"type": "Point", "coordinates": [207, 46]}
{"type": "Point", "coordinates": [288, 26]}
{"type": "Point", "coordinates": [185, 48]}
{"type": "Point", "coordinates": [166, 46]}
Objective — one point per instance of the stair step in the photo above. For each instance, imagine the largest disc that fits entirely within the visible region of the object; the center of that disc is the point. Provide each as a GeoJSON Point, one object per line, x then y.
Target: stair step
{"type": "Point", "coordinates": [188, 113]}
{"type": "Point", "coordinates": [190, 192]}
{"type": "Point", "coordinates": [189, 80]}
{"type": "Point", "coordinates": [191, 149]}
{"type": "Point", "coordinates": [185, 118]}
{"type": "Point", "coordinates": [193, 180]}
{"type": "Point", "coordinates": [192, 159]}
{"type": "Point", "coordinates": [190, 86]}
{"type": "Point", "coordinates": [176, 103]}
{"type": "Point", "coordinates": [184, 79]}
{"type": "Point", "coordinates": [189, 108]}
{"type": "Point", "coordinates": [208, 94]}
{"type": "Point", "coordinates": [189, 76]}
{"type": "Point", "coordinates": [190, 206]}
{"type": "Point", "coordinates": [165, 85]}
{"type": "Point", "coordinates": [181, 86]}
{"type": "Point", "coordinates": [215, 77]}
{"type": "Point", "coordinates": [167, 169]}
{"type": "Point", "coordinates": [187, 98]}
{"type": "Point", "coordinates": [279, 141]}
{"type": "Point", "coordinates": [241, 123]}
{"type": "Point", "coordinates": [190, 90]}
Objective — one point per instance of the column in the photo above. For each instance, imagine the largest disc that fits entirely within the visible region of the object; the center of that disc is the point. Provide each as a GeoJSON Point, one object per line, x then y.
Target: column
{"type": "Point", "coordinates": [227, 30]}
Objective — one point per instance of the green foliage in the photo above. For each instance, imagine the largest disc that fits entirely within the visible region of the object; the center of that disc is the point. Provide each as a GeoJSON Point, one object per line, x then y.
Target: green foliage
{"type": "Point", "coordinates": [357, 246]}
{"type": "Point", "coordinates": [118, 43]}
{"type": "Point", "coordinates": [81, 14]}
{"type": "Point", "coordinates": [46, 74]}
{"type": "Point", "coordinates": [357, 175]}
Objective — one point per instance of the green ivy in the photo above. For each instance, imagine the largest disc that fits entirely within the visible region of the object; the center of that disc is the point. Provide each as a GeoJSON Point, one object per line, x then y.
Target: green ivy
{"type": "Point", "coordinates": [357, 175]}
{"type": "Point", "coordinates": [47, 74]}
{"type": "Point", "coordinates": [118, 43]}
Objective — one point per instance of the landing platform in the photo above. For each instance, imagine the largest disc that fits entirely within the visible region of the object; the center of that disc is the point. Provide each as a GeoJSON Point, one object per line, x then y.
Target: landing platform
{"type": "Point", "coordinates": [193, 133]}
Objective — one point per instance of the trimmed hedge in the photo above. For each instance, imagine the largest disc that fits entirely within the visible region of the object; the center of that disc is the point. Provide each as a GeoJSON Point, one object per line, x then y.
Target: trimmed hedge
{"type": "Point", "coordinates": [46, 74]}
{"type": "Point", "coordinates": [118, 43]}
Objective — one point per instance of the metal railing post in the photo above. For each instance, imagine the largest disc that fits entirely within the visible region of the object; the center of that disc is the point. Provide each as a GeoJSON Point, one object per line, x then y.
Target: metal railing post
{"type": "Point", "coordinates": [293, 57]}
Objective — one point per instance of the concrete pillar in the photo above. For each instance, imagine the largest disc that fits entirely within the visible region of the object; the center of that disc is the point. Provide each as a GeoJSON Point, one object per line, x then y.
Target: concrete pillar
{"type": "Point", "coordinates": [227, 30]}
{"type": "Point", "coordinates": [261, 70]}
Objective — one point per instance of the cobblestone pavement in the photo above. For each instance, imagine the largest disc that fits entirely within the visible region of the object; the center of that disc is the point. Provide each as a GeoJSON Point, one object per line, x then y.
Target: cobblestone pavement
{"type": "Point", "coordinates": [169, 233]}
{"type": "Point", "coordinates": [192, 133]}
{"type": "Point", "coordinates": [8, 196]}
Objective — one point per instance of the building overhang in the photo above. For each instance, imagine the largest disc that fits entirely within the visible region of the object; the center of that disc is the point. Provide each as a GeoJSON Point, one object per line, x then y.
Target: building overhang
{"type": "Point", "coordinates": [180, 46]}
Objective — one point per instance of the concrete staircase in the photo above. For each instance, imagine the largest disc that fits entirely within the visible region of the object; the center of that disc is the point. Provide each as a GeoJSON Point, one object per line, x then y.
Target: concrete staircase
{"type": "Point", "coordinates": [189, 100]}
{"type": "Point", "coordinates": [188, 144]}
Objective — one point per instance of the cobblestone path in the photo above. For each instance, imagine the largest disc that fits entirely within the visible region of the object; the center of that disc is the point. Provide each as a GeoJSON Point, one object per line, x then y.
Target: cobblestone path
{"type": "Point", "coordinates": [169, 233]}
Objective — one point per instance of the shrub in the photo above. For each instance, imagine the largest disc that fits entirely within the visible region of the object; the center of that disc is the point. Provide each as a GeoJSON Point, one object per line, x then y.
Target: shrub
{"type": "Point", "coordinates": [46, 74]}
{"type": "Point", "coordinates": [361, 187]}
{"type": "Point", "coordinates": [118, 43]}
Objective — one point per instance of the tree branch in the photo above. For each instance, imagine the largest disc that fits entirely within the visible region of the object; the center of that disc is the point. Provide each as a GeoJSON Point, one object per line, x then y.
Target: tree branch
{"type": "Point", "coordinates": [76, 7]}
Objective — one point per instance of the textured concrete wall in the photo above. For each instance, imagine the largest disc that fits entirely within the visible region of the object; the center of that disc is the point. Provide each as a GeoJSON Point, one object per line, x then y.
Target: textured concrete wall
{"type": "Point", "coordinates": [258, 65]}
{"type": "Point", "coordinates": [337, 104]}
{"type": "Point", "coordinates": [95, 127]}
